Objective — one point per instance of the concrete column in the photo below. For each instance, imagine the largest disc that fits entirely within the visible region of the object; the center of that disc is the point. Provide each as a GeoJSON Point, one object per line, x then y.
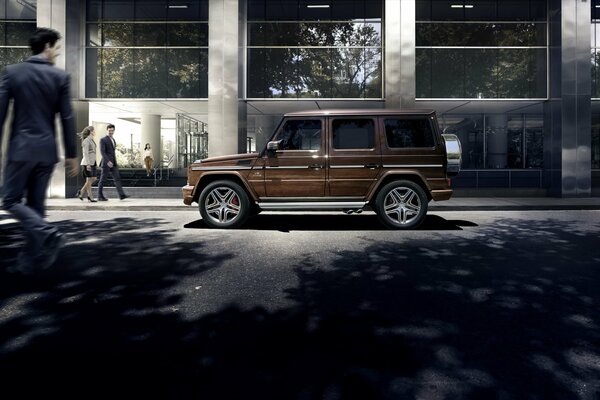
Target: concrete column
{"type": "Point", "coordinates": [400, 41]}
{"type": "Point", "coordinates": [567, 121]}
{"type": "Point", "coordinates": [151, 134]}
{"type": "Point", "coordinates": [226, 116]}
{"type": "Point", "coordinates": [52, 14]}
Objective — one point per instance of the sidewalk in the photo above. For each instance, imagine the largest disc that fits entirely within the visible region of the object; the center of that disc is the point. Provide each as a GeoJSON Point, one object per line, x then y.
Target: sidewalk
{"type": "Point", "coordinates": [454, 204]}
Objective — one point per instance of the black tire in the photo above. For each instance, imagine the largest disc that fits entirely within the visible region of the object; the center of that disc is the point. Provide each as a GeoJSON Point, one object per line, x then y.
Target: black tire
{"type": "Point", "coordinates": [401, 205]}
{"type": "Point", "coordinates": [224, 204]}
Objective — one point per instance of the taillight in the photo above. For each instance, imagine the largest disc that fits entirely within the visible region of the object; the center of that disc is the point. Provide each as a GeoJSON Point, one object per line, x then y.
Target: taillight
{"type": "Point", "coordinates": [449, 181]}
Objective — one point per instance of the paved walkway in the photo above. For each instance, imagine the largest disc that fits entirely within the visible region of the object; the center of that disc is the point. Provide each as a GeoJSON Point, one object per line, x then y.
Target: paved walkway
{"type": "Point", "coordinates": [454, 204]}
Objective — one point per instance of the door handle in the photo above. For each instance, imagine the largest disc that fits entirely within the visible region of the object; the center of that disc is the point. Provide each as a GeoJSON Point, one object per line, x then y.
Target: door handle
{"type": "Point", "coordinates": [371, 166]}
{"type": "Point", "coordinates": [315, 166]}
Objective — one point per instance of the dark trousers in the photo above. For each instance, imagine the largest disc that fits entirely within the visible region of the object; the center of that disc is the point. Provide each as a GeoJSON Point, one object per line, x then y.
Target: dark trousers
{"type": "Point", "coordinates": [30, 178]}
{"type": "Point", "coordinates": [114, 172]}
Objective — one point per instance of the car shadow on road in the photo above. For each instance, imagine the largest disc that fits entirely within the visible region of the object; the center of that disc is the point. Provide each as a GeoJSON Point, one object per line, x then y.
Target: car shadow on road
{"type": "Point", "coordinates": [329, 222]}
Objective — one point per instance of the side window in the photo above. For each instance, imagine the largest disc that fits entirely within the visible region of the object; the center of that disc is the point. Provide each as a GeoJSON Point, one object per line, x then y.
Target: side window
{"type": "Point", "coordinates": [409, 132]}
{"type": "Point", "coordinates": [353, 134]}
{"type": "Point", "coordinates": [301, 135]}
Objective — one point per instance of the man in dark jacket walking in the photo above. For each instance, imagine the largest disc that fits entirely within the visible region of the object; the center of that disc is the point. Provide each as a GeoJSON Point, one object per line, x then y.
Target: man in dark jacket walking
{"type": "Point", "coordinates": [39, 91]}
{"type": "Point", "coordinates": [108, 164]}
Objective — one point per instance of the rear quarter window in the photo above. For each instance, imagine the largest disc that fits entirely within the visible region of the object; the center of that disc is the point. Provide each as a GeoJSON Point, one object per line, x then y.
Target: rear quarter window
{"type": "Point", "coordinates": [409, 133]}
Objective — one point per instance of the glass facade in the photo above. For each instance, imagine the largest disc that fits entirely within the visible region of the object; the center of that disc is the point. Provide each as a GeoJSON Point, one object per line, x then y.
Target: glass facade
{"type": "Point", "coordinates": [481, 49]}
{"type": "Point", "coordinates": [147, 49]}
{"type": "Point", "coordinates": [17, 23]}
{"type": "Point", "coordinates": [298, 51]}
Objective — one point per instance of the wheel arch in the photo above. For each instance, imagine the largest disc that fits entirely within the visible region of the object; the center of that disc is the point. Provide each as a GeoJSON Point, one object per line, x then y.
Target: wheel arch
{"type": "Point", "coordinates": [208, 178]}
{"type": "Point", "coordinates": [412, 176]}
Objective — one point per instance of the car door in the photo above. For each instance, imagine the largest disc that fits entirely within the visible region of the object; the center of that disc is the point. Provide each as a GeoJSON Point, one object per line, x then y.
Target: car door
{"type": "Point", "coordinates": [297, 167]}
{"type": "Point", "coordinates": [354, 156]}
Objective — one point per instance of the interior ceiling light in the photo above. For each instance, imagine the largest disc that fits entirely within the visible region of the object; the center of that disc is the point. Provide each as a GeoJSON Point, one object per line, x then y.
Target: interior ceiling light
{"type": "Point", "coordinates": [180, 6]}
{"type": "Point", "coordinates": [461, 6]}
{"type": "Point", "coordinates": [317, 6]}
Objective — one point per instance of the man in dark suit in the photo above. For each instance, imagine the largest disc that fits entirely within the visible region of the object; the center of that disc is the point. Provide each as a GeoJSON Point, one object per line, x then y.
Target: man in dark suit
{"type": "Point", "coordinates": [39, 91]}
{"type": "Point", "coordinates": [108, 164]}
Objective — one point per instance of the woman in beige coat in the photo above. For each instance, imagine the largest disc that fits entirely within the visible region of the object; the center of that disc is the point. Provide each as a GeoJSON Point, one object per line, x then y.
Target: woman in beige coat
{"type": "Point", "coordinates": [88, 162]}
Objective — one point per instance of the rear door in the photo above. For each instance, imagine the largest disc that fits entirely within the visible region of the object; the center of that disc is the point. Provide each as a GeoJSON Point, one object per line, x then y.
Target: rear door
{"type": "Point", "coordinates": [354, 156]}
{"type": "Point", "coordinates": [297, 169]}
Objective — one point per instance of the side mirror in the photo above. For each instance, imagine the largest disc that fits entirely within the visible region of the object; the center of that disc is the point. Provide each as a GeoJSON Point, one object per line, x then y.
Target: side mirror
{"type": "Point", "coordinates": [274, 145]}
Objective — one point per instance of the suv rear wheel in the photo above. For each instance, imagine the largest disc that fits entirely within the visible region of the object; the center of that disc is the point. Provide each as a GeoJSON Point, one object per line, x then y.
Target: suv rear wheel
{"type": "Point", "coordinates": [401, 205]}
{"type": "Point", "coordinates": [224, 204]}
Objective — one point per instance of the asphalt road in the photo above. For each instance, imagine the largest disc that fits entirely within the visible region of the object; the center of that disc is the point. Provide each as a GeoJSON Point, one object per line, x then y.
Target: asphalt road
{"type": "Point", "coordinates": [472, 305]}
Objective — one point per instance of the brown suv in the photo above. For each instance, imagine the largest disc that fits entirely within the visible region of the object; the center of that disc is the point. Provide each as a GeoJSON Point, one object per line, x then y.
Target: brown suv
{"type": "Point", "coordinates": [392, 161]}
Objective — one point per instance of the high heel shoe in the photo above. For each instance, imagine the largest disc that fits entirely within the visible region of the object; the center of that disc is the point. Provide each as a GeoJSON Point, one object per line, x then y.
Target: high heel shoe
{"type": "Point", "coordinates": [91, 200]}
{"type": "Point", "coordinates": [78, 194]}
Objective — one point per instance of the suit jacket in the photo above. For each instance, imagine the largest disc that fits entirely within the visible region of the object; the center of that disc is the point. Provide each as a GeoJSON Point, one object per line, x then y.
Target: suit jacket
{"type": "Point", "coordinates": [88, 149]}
{"type": "Point", "coordinates": [39, 91]}
{"type": "Point", "coordinates": [107, 149]}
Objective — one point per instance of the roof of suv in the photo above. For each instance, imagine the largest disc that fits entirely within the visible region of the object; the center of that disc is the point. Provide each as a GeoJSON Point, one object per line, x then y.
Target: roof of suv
{"type": "Point", "coordinates": [360, 112]}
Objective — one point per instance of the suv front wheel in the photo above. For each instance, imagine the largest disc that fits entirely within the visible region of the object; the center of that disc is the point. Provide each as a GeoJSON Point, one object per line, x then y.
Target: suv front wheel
{"type": "Point", "coordinates": [401, 205]}
{"type": "Point", "coordinates": [224, 204]}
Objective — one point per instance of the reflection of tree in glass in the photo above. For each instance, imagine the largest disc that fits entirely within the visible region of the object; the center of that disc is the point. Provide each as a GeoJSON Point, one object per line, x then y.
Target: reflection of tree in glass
{"type": "Point", "coordinates": [348, 63]}
{"type": "Point", "coordinates": [150, 73]}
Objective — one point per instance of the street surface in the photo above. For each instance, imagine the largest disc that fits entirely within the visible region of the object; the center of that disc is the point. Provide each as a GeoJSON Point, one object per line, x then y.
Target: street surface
{"type": "Point", "coordinates": [472, 305]}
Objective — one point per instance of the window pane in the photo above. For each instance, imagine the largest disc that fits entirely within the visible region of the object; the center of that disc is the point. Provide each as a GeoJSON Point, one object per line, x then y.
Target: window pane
{"type": "Point", "coordinates": [314, 73]}
{"type": "Point", "coordinates": [423, 73]}
{"type": "Point", "coordinates": [186, 71]}
{"type": "Point", "coordinates": [92, 68]}
{"type": "Point", "coordinates": [534, 142]}
{"type": "Point", "coordinates": [193, 11]}
{"type": "Point", "coordinates": [117, 67]}
{"type": "Point", "coordinates": [150, 73]}
{"type": "Point", "coordinates": [150, 10]}
{"type": "Point", "coordinates": [514, 132]}
{"type": "Point", "coordinates": [150, 34]}
{"type": "Point", "coordinates": [301, 135]}
{"type": "Point", "coordinates": [94, 10]}
{"type": "Point", "coordinates": [13, 56]}
{"type": "Point", "coordinates": [281, 10]}
{"type": "Point", "coordinates": [20, 10]}
{"type": "Point", "coordinates": [537, 73]}
{"type": "Point", "coordinates": [442, 10]}
{"type": "Point", "coordinates": [353, 134]}
{"type": "Point", "coordinates": [18, 33]}
{"type": "Point", "coordinates": [314, 34]}
{"type": "Point", "coordinates": [117, 35]}
{"type": "Point", "coordinates": [272, 73]}
{"type": "Point", "coordinates": [513, 10]}
{"type": "Point", "coordinates": [447, 73]}
{"type": "Point", "coordinates": [406, 133]}
{"type": "Point", "coordinates": [423, 10]}
{"type": "Point", "coordinates": [482, 10]}
{"type": "Point", "coordinates": [190, 34]}
{"type": "Point", "coordinates": [521, 34]}
{"type": "Point", "coordinates": [118, 10]}
{"type": "Point", "coordinates": [356, 73]}
{"type": "Point", "coordinates": [480, 73]}
{"type": "Point", "coordinates": [513, 73]}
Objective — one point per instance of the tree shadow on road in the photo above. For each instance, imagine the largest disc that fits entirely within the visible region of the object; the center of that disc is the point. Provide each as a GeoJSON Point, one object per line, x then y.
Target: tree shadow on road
{"type": "Point", "coordinates": [507, 312]}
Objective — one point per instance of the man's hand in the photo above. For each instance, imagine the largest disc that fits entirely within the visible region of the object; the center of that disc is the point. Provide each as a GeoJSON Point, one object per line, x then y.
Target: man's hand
{"type": "Point", "coordinates": [72, 166]}
{"type": "Point", "coordinates": [110, 164]}
{"type": "Point", "coordinates": [88, 167]}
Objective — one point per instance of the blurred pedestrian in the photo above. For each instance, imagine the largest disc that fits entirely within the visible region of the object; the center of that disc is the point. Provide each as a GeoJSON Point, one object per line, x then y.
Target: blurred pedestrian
{"type": "Point", "coordinates": [108, 164]}
{"type": "Point", "coordinates": [39, 91]}
{"type": "Point", "coordinates": [88, 162]}
{"type": "Point", "coordinates": [148, 159]}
